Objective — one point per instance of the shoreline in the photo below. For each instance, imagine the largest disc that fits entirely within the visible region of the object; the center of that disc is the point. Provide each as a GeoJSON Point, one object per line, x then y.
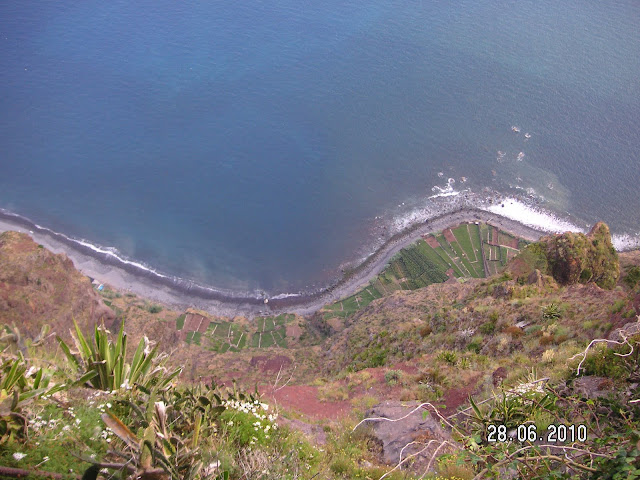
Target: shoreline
{"type": "Point", "coordinates": [127, 276]}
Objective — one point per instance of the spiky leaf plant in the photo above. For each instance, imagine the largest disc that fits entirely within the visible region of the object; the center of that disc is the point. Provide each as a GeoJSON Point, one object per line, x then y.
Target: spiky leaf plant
{"type": "Point", "coordinates": [102, 363]}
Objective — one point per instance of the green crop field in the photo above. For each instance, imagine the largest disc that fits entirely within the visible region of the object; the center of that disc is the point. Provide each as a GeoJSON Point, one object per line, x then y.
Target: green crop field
{"type": "Point", "coordinates": [421, 264]}
{"type": "Point", "coordinates": [193, 337]}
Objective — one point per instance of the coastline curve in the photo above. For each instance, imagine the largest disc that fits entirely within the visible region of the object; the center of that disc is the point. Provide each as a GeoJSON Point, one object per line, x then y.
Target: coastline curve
{"type": "Point", "coordinates": [107, 267]}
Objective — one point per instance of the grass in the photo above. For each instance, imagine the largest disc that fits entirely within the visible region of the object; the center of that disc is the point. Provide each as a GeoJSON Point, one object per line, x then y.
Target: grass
{"type": "Point", "coordinates": [464, 240]}
{"type": "Point", "coordinates": [193, 337]}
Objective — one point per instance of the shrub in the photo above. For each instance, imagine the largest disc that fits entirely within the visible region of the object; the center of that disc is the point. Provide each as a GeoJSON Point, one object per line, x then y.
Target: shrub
{"type": "Point", "coordinates": [448, 356]}
{"type": "Point", "coordinates": [632, 278]}
{"type": "Point", "coordinates": [154, 309]}
{"type": "Point", "coordinates": [487, 328]}
{"type": "Point", "coordinates": [604, 362]}
{"type": "Point", "coordinates": [475, 345]}
{"type": "Point", "coordinates": [425, 330]}
{"type": "Point", "coordinates": [514, 331]}
{"type": "Point", "coordinates": [551, 312]}
{"type": "Point", "coordinates": [392, 376]}
{"type": "Point", "coordinates": [618, 306]}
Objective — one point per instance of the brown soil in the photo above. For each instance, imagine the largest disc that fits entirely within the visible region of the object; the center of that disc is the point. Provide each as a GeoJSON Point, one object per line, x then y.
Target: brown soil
{"type": "Point", "coordinates": [431, 241]}
{"type": "Point", "coordinates": [304, 399]}
{"type": "Point", "coordinates": [456, 397]}
{"type": "Point", "coordinates": [449, 236]}
{"type": "Point", "coordinates": [508, 241]}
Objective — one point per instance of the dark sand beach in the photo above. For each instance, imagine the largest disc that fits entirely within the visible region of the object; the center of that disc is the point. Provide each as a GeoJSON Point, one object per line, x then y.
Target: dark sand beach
{"type": "Point", "coordinates": [129, 277]}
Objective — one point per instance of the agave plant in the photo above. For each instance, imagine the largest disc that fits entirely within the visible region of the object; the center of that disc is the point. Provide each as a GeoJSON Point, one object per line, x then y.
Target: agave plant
{"type": "Point", "coordinates": [102, 363]}
{"type": "Point", "coordinates": [551, 312]}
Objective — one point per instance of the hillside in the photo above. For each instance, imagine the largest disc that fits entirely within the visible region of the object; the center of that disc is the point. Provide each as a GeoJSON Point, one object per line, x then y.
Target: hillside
{"type": "Point", "coordinates": [513, 341]}
{"type": "Point", "coordinates": [37, 286]}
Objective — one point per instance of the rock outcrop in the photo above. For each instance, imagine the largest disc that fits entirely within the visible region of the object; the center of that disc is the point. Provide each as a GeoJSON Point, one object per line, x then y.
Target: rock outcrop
{"type": "Point", "coordinates": [571, 258]}
{"type": "Point", "coordinates": [578, 258]}
{"type": "Point", "coordinates": [399, 424]}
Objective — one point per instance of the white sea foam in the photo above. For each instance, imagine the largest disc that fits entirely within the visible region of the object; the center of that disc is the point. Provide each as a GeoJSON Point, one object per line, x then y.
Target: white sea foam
{"type": "Point", "coordinates": [285, 295]}
{"type": "Point", "coordinates": [446, 191]}
{"type": "Point", "coordinates": [626, 241]}
{"type": "Point", "coordinates": [529, 215]}
{"type": "Point", "coordinates": [111, 251]}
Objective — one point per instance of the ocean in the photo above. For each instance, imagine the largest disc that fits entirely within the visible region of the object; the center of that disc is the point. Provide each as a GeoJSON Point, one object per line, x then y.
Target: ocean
{"type": "Point", "coordinates": [261, 147]}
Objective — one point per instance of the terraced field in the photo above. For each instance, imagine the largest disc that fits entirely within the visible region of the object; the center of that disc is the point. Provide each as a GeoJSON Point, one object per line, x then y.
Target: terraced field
{"type": "Point", "coordinates": [470, 250]}
{"type": "Point", "coordinates": [221, 336]}
{"type": "Point", "coordinates": [467, 251]}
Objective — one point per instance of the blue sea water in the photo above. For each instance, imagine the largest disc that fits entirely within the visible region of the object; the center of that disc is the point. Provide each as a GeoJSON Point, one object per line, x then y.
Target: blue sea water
{"type": "Point", "coordinates": [257, 145]}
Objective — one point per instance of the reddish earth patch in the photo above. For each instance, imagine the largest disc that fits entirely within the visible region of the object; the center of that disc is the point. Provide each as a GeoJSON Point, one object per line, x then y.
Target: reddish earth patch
{"type": "Point", "coordinates": [195, 323]}
{"type": "Point", "coordinates": [458, 396]}
{"type": "Point", "coordinates": [449, 236]}
{"type": "Point", "coordinates": [304, 399]}
{"type": "Point", "coordinates": [294, 331]}
{"type": "Point", "coordinates": [509, 241]}
{"type": "Point", "coordinates": [493, 236]}
{"type": "Point", "coordinates": [431, 241]}
{"type": "Point", "coordinates": [452, 276]}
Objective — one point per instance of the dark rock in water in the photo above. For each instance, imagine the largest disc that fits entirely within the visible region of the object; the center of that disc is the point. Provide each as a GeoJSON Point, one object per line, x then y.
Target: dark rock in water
{"type": "Point", "coordinates": [394, 436]}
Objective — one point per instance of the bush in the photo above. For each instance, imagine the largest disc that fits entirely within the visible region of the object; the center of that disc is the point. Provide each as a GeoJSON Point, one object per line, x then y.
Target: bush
{"type": "Point", "coordinates": [632, 278]}
{"type": "Point", "coordinates": [618, 306]}
{"type": "Point", "coordinates": [448, 356]}
{"type": "Point", "coordinates": [487, 328]}
{"type": "Point", "coordinates": [425, 330]}
{"type": "Point", "coordinates": [392, 376]}
{"type": "Point", "coordinates": [154, 309]}
{"type": "Point", "coordinates": [551, 312]}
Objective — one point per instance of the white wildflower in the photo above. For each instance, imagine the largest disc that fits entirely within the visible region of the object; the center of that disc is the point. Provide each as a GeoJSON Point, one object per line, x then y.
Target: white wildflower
{"type": "Point", "coordinates": [19, 456]}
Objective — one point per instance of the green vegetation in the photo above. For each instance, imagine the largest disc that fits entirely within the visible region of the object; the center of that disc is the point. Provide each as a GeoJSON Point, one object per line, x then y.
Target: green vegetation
{"type": "Point", "coordinates": [551, 312]}
{"type": "Point", "coordinates": [103, 364]}
{"type": "Point", "coordinates": [434, 260]}
{"type": "Point", "coordinates": [95, 407]}
{"type": "Point", "coordinates": [575, 257]}
{"type": "Point", "coordinates": [632, 277]}
{"type": "Point", "coordinates": [154, 309]}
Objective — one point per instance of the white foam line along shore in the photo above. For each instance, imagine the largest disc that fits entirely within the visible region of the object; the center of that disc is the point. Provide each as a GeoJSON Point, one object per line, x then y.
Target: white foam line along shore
{"type": "Point", "coordinates": [509, 214]}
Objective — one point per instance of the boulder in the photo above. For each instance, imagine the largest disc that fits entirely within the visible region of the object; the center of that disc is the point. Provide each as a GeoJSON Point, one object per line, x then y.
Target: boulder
{"type": "Point", "coordinates": [536, 278]}
{"type": "Point", "coordinates": [397, 424]}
